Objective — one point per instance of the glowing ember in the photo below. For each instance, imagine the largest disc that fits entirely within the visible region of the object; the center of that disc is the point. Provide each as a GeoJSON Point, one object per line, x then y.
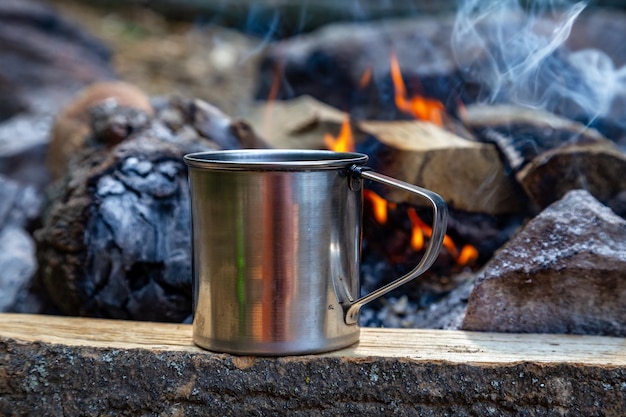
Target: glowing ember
{"type": "Point", "coordinates": [342, 143]}
{"type": "Point", "coordinates": [419, 107]}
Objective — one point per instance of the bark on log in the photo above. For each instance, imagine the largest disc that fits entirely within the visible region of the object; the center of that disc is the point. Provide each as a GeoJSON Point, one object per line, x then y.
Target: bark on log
{"type": "Point", "coordinates": [522, 134]}
{"type": "Point", "coordinates": [596, 167]}
{"type": "Point", "coordinates": [117, 239]}
{"type": "Point", "coordinates": [74, 366]}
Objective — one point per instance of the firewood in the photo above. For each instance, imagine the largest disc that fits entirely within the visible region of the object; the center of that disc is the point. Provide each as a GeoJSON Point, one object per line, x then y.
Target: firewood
{"type": "Point", "coordinates": [551, 155]}
{"type": "Point", "coordinates": [71, 127]}
{"type": "Point", "coordinates": [521, 133]}
{"type": "Point", "coordinates": [300, 123]}
{"type": "Point", "coordinates": [468, 174]}
{"type": "Point", "coordinates": [596, 167]}
{"type": "Point", "coordinates": [116, 241]}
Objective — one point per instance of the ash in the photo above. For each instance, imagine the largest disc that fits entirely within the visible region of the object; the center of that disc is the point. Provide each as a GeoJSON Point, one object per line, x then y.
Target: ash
{"type": "Point", "coordinates": [430, 301]}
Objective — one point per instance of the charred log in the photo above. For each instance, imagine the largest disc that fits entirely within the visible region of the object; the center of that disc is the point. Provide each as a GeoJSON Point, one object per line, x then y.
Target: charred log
{"type": "Point", "coordinates": [117, 239]}
{"type": "Point", "coordinates": [330, 64]}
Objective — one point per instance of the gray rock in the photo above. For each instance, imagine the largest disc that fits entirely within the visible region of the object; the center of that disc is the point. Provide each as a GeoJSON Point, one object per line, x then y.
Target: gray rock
{"type": "Point", "coordinates": [565, 272]}
{"type": "Point", "coordinates": [17, 264]}
{"type": "Point", "coordinates": [19, 205]}
{"type": "Point", "coordinates": [45, 60]}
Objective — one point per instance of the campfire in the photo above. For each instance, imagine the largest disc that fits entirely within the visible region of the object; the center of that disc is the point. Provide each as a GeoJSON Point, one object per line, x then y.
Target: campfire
{"type": "Point", "coordinates": [513, 115]}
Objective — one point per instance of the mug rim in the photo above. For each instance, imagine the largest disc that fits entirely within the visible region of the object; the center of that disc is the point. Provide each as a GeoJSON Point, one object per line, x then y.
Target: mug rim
{"type": "Point", "coordinates": [273, 159]}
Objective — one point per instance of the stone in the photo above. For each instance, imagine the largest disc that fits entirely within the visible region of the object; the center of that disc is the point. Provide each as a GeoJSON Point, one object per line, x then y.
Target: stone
{"type": "Point", "coordinates": [563, 273]}
{"type": "Point", "coordinates": [45, 59]}
{"type": "Point", "coordinates": [55, 57]}
{"type": "Point", "coordinates": [19, 206]}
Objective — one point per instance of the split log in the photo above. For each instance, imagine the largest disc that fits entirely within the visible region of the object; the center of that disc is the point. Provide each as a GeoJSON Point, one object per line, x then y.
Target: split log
{"type": "Point", "coordinates": [596, 167]}
{"type": "Point", "coordinates": [117, 239]}
{"type": "Point", "coordinates": [300, 123]}
{"type": "Point", "coordinates": [469, 175]}
{"type": "Point", "coordinates": [75, 366]}
{"type": "Point", "coordinates": [550, 155]}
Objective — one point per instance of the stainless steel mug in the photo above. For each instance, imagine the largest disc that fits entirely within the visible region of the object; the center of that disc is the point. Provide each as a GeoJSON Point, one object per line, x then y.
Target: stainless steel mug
{"type": "Point", "coordinates": [276, 241]}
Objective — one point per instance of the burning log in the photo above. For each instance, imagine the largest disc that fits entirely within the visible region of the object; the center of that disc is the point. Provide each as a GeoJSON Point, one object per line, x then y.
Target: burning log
{"type": "Point", "coordinates": [333, 63]}
{"type": "Point", "coordinates": [71, 128]}
{"type": "Point", "coordinates": [468, 174]}
{"type": "Point", "coordinates": [564, 273]}
{"type": "Point", "coordinates": [116, 240]}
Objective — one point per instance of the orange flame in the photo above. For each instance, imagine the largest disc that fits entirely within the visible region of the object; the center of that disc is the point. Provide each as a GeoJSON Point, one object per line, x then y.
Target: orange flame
{"type": "Point", "coordinates": [271, 98]}
{"type": "Point", "coordinates": [342, 143]}
{"type": "Point", "coordinates": [379, 206]}
{"type": "Point", "coordinates": [277, 75]}
{"type": "Point", "coordinates": [366, 78]}
{"type": "Point", "coordinates": [468, 255]}
{"type": "Point", "coordinates": [419, 229]}
{"type": "Point", "coordinates": [419, 107]}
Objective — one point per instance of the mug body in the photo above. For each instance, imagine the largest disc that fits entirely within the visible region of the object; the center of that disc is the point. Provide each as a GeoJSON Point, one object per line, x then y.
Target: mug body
{"type": "Point", "coordinates": [276, 241]}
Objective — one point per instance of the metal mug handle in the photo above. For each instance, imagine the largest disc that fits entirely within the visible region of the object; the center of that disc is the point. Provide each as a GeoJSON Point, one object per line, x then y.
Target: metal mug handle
{"type": "Point", "coordinates": [440, 221]}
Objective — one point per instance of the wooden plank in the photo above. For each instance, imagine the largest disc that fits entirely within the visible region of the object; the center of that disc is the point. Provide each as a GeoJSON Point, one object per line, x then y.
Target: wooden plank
{"type": "Point", "coordinates": [415, 344]}
{"type": "Point", "coordinates": [77, 366]}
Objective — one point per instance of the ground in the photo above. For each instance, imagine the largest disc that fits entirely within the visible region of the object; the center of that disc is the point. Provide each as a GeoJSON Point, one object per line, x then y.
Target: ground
{"type": "Point", "coordinates": [174, 58]}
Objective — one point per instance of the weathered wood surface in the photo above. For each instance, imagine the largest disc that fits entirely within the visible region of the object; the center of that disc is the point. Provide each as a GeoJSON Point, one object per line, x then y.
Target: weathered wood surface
{"type": "Point", "coordinates": [77, 366]}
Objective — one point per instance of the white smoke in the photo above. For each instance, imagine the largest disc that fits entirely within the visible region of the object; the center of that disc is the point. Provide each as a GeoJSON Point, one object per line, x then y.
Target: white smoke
{"type": "Point", "coordinates": [518, 55]}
